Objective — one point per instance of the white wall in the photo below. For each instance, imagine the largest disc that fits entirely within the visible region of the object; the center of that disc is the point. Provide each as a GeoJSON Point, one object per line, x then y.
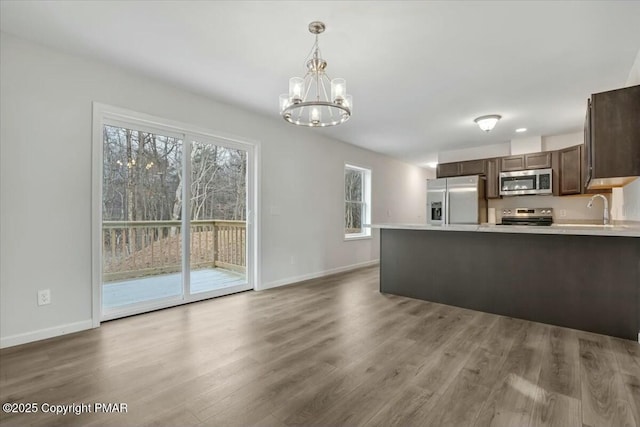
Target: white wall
{"type": "Point", "coordinates": [549, 143]}
{"type": "Point", "coordinates": [626, 202]}
{"type": "Point", "coordinates": [634, 74]}
{"type": "Point", "coordinates": [526, 144]}
{"type": "Point", "coordinates": [558, 142]}
{"type": "Point", "coordinates": [473, 153]}
{"type": "Point", "coordinates": [627, 199]}
{"type": "Point", "coordinates": [45, 192]}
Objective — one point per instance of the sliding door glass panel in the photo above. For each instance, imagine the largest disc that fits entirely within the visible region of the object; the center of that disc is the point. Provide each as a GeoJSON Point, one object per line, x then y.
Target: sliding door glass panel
{"type": "Point", "coordinates": [218, 213]}
{"type": "Point", "coordinates": [141, 218]}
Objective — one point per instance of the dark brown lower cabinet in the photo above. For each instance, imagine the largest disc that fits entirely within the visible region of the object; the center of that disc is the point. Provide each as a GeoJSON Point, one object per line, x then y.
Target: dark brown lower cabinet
{"type": "Point", "coordinates": [559, 284]}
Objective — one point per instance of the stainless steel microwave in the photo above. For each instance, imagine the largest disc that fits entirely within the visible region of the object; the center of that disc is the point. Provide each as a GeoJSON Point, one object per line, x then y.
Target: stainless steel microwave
{"type": "Point", "coordinates": [534, 181]}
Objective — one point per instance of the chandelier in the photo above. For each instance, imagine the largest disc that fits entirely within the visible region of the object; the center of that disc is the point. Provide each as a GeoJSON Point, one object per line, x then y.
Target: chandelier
{"type": "Point", "coordinates": [316, 100]}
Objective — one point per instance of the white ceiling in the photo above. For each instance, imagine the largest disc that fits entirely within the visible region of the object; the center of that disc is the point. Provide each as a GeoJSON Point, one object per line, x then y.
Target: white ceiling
{"type": "Point", "coordinates": [419, 71]}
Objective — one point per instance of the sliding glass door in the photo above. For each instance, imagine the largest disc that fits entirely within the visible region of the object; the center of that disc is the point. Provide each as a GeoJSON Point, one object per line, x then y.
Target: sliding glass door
{"type": "Point", "coordinates": [218, 212]}
{"type": "Point", "coordinates": [174, 218]}
{"type": "Point", "coordinates": [141, 227]}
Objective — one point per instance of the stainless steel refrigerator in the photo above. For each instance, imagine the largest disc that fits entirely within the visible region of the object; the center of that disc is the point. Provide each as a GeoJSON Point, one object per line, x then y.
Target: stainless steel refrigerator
{"type": "Point", "coordinates": [458, 200]}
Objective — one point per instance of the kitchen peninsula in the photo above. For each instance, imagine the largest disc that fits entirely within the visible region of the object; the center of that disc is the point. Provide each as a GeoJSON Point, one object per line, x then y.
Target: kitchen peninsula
{"type": "Point", "coordinates": [584, 278]}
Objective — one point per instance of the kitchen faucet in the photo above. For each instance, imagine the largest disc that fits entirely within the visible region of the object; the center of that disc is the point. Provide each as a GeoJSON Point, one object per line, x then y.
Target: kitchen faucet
{"type": "Point", "coordinates": [606, 207]}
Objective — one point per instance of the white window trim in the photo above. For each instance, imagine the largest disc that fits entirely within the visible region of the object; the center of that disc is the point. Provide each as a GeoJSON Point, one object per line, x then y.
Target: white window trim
{"type": "Point", "coordinates": [107, 114]}
{"type": "Point", "coordinates": [367, 202]}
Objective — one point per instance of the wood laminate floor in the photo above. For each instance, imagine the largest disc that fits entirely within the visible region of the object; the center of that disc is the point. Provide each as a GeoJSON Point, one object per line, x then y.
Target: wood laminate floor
{"type": "Point", "coordinates": [329, 352]}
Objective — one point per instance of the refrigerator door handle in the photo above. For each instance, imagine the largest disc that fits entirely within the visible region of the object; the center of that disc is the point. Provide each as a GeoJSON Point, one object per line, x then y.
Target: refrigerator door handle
{"type": "Point", "coordinates": [445, 220]}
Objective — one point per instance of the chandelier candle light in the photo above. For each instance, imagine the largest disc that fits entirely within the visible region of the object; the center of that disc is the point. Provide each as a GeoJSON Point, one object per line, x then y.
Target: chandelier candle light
{"type": "Point", "coordinates": [316, 100]}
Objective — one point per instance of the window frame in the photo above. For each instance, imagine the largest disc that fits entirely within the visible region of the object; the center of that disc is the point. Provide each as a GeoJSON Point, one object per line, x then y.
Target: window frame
{"type": "Point", "coordinates": [365, 203]}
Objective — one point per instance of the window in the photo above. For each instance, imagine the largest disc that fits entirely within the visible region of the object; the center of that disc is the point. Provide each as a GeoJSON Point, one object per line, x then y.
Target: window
{"type": "Point", "coordinates": [357, 202]}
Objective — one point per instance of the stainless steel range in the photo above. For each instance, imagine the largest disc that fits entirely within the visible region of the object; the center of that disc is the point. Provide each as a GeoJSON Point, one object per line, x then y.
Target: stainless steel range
{"type": "Point", "coordinates": [527, 216]}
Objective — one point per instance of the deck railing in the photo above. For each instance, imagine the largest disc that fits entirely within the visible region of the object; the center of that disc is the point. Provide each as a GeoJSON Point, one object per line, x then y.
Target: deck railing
{"type": "Point", "coordinates": [145, 248]}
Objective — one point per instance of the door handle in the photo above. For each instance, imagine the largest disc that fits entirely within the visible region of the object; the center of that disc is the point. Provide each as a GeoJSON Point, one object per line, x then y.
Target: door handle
{"type": "Point", "coordinates": [446, 208]}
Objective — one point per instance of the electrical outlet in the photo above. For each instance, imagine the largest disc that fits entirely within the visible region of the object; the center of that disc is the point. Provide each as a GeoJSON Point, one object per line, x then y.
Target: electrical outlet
{"type": "Point", "coordinates": [563, 213]}
{"type": "Point", "coordinates": [293, 260]}
{"type": "Point", "coordinates": [44, 297]}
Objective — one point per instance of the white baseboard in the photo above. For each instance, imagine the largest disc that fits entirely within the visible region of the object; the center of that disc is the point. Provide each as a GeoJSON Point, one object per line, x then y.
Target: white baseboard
{"type": "Point", "coordinates": [291, 280]}
{"type": "Point", "coordinates": [69, 328]}
{"type": "Point", "coordinates": [43, 334]}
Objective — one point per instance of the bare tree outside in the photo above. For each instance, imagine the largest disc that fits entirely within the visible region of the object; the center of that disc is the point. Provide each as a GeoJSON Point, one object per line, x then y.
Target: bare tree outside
{"type": "Point", "coordinates": [142, 204]}
{"type": "Point", "coordinates": [354, 201]}
{"type": "Point", "coordinates": [218, 182]}
{"type": "Point", "coordinates": [141, 175]}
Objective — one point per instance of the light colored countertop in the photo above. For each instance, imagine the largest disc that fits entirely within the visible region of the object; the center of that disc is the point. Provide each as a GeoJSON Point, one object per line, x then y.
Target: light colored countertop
{"type": "Point", "coordinates": [631, 230]}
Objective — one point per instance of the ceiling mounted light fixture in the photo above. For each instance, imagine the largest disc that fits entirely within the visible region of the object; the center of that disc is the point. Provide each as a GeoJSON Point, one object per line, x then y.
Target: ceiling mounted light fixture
{"type": "Point", "coordinates": [316, 100]}
{"type": "Point", "coordinates": [487, 123]}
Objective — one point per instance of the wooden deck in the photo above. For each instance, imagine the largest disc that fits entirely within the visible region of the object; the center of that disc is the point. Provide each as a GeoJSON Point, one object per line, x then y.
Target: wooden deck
{"type": "Point", "coordinates": [125, 292]}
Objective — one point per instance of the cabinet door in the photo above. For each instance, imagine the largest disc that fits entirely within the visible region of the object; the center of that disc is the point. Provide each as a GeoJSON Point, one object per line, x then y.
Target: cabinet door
{"type": "Point", "coordinates": [537, 160]}
{"type": "Point", "coordinates": [512, 163]}
{"type": "Point", "coordinates": [448, 169]}
{"type": "Point", "coordinates": [571, 170]}
{"type": "Point", "coordinates": [493, 178]}
{"type": "Point", "coordinates": [615, 130]}
{"type": "Point", "coordinates": [586, 152]}
{"type": "Point", "coordinates": [473, 167]}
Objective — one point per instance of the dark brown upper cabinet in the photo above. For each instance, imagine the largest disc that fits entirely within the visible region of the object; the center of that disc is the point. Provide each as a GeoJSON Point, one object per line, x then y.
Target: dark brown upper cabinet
{"type": "Point", "coordinates": [526, 161]}
{"type": "Point", "coordinates": [445, 170]}
{"type": "Point", "coordinates": [493, 180]}
{"type": "Point", "coordinates": [473, 167]}
{"type": "Point", "coordinates": [568, 167]}
{"type": "Point", "coordinates": [612, 137]}
{"type": "Point", "coordinates": [469, 167]}
{"type": "Point", "coordinates": [537, 160]}
{"type": "Point", "coordinates": [512, 163]}
{"type": "Point", "coordinates": [570, 170]}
